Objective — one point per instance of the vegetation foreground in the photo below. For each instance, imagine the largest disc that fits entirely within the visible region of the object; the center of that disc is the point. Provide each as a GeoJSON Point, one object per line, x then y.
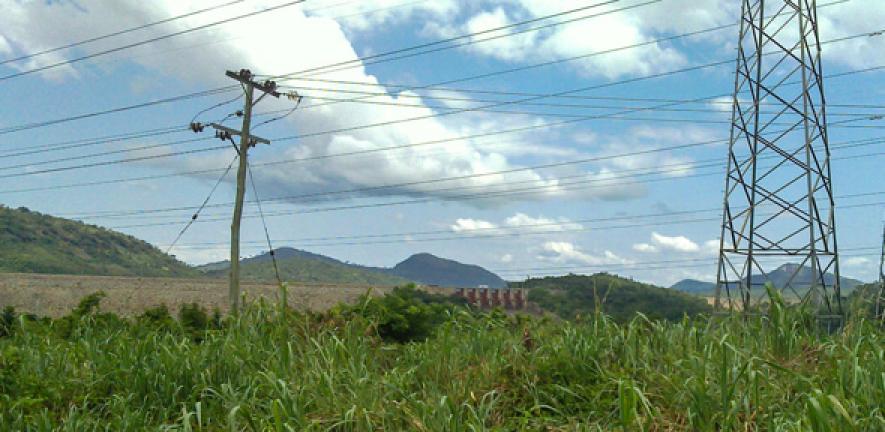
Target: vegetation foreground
{"type": "Point", "coordinates": [411, 361]}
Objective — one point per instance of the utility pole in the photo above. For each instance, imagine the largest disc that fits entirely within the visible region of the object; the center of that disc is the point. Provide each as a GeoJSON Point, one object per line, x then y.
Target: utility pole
{"type": "Point", "coordinates": [783, 211]}
{"type": "Point", "coordinates": [244, 76]}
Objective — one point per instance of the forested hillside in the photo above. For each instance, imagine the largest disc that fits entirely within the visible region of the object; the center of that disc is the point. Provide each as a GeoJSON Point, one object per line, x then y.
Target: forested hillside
{"type": "Point", "coordinates": [32, 242]}
{"type": "Point", "coordinates": [573, 295]}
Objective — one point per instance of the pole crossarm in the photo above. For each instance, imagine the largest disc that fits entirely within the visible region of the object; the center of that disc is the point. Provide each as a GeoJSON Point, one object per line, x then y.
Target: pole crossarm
{"type": "Point", "coordinates": [225, 132]}
{"type": "Point", "coordinates": [794, 247]}
{"type": "Point", "coordinates": [244, 76]}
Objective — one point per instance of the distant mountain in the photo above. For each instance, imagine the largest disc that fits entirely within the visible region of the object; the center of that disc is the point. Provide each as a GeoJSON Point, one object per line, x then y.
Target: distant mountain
{"type": "Point", "coordinates": [31, 242]}
{"type": "Point", "coordinates": [778, 277]}
{"type": "Point", "coordinates": [621, 298]}
{"type": "Point", "coordinates": [432, 270]}
{"type": "Point", "coordinates": [694, 286]}
{"type": "Point", "coordinates": [301, 266]}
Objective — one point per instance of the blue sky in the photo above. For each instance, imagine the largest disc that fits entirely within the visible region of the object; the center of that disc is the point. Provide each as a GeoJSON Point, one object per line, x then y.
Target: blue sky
{"type": "Point", "coordinates": [580, 217]}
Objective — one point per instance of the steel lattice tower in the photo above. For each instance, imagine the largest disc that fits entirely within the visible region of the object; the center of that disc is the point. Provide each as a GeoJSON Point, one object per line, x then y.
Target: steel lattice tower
{"type": "Point", "coordinates": [880, 296]}
{"type": "Point", "coordinates": [779, 204]}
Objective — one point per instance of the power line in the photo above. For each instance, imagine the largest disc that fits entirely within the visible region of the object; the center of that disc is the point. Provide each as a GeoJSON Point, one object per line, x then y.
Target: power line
{"type": "Point", "coordinates": [434, 97]}
{"type": "Point", "coordinates": [559, 164]}
{"type": "Point", "coordinates": [517, 93]}
{"type": "Point", "coordinates": [859, 117]}
{"type": "Point", "coordinates": [565, 226]}
{"type": "Point", "coordinates": [104, 153]}
{"type": "Point", "coordinates": [530, 99]}
{"type": "Point", "coordinates": [107, 139]}
{"type": "Point", "coordinates": [378, 58]}
{"type": "Point", "coordinates": [596, 53]}
{"type": "Point", "coordinates": [496, 73]}
{"type": "Point", "coordinates": [465, 196]}
{"type": "Point", "coordinates": [117, 161]}
{"type": "Point", "coordinates": [287, 112]}
{"type": "Point", "coordinates": [361, 61]}
{"type": "Point", "coordinates": [457, 111]}
{"type": "Point", "coordinates": [203, 205]}
{"type": "Point", "coordinates": [118, 33]}
{"type": "Point", "coordinates": [45, 123]}
{"type": "Point", "coordinates": [647, 265]}
{"type": "Point", "coordinates": [527, 230]}
{"type": "Point", "coordinates": [205, 92]}
{"type": "Point", "coordinates": [148, 41]}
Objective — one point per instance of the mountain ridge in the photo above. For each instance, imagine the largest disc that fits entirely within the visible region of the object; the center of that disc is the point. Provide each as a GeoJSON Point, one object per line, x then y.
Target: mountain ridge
{"type": "Point", "coordinates": [778, 277]}
{"type": "Point", "coordinates": [33, 242]}
{"type": "Point", "coordinates": [304, 266]}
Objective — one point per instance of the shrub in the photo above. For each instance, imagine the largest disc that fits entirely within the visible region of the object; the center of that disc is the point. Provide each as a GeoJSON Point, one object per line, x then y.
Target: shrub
{"type": "Point", "coordinates": [90, 304]}
{"type": "Point", "coordinates": [405, 314]}
{"type": "Point", "coordinates": [7, 321]}
{"type": "Point", "coordinates": [157, 318]}
{"type": "Point", "coordinates": [194, 319]}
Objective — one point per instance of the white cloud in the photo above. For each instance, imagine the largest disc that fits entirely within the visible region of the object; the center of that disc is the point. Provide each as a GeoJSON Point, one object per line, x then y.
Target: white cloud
{"type": "Point", "coordinates": [5, 48]}
{"type": "Point", "coordinates": [540, 223]}
{"type": "Point", "coordinates": [856, 262]}
{"type": "Point", "coordinates": [644, 248]}
{"type": "Point", "coordinates": [674, 243]}
{"type": "Point", "coordinates": [711, 247]}
{"type": "Point", "coordinates": [593, 35]}
{"type": "Point", "coordinates": [200, 57]}
{"type": "Point", "coordinates": [849, 19]}
{"type": "Point", "coordinates": [466, 225]}
{"type": "Point", "coordinates": [462, 158]}
{"type": "Point", "coordinates": [566, 252]}
{"type": "Point", "coordinates": [369, 15]}
{"type": "Point", "coordinates": [506, 258]}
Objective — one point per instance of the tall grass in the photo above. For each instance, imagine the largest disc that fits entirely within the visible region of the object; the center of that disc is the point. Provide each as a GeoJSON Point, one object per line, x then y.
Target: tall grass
{"type": "Point", "coordinates": [283, 371]}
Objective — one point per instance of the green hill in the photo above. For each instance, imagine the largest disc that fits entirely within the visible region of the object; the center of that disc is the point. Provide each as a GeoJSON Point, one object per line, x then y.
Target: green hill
{"type": "Point", "coordinates": [572, 295]}
{"type": "Point", "coordinates": [302, 266]}
{"type": "Point", "coordinates": [694, 286]}
{"type": "Point", "coordinates": [31, 242]}
{"type": "Point", "coordinates": [432, 270]}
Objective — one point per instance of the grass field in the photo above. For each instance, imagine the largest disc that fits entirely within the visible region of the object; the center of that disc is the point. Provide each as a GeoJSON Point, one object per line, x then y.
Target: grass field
{"type": "Point", "coordinates": [269, 370]}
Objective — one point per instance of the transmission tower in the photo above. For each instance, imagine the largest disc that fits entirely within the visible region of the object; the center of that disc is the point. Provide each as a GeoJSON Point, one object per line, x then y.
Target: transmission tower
{"type": "Point", "coordinates": [880, 297]}
{"type": "Point", "coordinates": [778, 205]}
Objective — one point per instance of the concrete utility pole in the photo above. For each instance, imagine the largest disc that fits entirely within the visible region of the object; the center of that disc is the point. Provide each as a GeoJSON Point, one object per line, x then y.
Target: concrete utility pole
{"type": "Point", "coordinates": [244, 76]}
{"type": "Point", "coordinates": [246, 141]}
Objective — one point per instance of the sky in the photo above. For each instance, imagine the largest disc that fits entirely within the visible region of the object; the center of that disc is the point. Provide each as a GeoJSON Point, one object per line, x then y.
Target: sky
{"type": "Point", "coordinates": [539, 149]}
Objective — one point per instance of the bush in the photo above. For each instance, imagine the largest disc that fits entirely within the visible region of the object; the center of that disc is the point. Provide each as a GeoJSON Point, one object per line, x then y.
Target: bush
{"type": "Point", "coordinates": [90, 304]}
{"type": "Point", "coordinates": [7, 321]}
{"type": "Point", "coordinates": [87, 314]}
{"type": "Point", "coordinates": [157, 318]}
{"type": "Point", "coordinates": [405, 314]}
{"type": "Point", "coordinates": [194, 319]}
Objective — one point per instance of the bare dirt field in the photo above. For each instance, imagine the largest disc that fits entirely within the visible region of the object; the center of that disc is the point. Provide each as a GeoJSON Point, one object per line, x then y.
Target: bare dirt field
{"type": "Point", "coordinates": [56, 295]}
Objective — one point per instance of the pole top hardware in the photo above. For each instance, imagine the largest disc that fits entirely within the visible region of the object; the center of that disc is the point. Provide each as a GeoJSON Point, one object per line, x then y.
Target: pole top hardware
{"type": "Point", "coordinates": [224, 133]}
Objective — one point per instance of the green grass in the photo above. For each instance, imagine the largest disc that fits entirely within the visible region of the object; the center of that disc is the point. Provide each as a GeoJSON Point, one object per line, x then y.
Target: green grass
{"type": "Point", "coordinates": [269, 370]}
